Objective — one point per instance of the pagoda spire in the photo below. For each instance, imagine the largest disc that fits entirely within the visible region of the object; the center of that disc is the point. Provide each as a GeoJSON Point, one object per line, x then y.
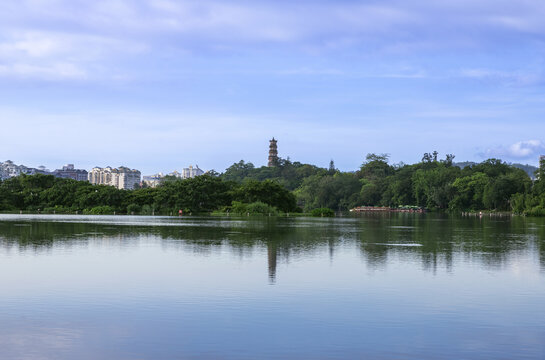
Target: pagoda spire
{"type": "Point", "coordinates": [273, 153]}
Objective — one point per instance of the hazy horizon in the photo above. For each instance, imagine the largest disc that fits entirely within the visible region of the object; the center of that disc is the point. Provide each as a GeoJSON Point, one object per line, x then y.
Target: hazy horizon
{"type": "Point", "coordinates": [165, 171]}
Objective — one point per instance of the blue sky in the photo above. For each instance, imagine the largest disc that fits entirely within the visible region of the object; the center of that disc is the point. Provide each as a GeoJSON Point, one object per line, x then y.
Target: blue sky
{"type": "Point", "coordinates": [159, 84]}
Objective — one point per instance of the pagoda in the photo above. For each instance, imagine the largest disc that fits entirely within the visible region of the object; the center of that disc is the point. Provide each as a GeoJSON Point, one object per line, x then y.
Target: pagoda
{"type": "Point", "coordinates": [273, 153]}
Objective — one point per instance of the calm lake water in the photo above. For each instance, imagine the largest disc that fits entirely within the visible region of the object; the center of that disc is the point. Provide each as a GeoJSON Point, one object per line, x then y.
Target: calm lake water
{"type": "Point", "coordinates": [400, 286]}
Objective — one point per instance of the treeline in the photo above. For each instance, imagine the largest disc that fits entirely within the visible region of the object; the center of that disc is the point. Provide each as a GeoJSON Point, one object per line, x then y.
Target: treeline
{"type": "Point", "coordinates": [433, 183]}
{"type": "Point", "coordinates": [45, 193]}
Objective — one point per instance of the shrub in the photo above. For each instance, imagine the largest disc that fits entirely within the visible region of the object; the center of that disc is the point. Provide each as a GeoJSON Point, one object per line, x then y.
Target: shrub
{"type": "Point", "coordinates": [259, 207]}
{"type": "Point", "coordinates": [324, 212]}
{"type": "Point", "coordinates": [133, 209]}
{"type": "Point", "coordinates": [99, 210]}
{"type": "Point", "coordinates": [255, 208]}
{"type": "Point", "coordinates": [57, 210]}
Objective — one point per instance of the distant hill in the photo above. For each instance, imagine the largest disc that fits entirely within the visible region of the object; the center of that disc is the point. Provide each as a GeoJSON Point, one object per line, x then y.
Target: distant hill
{"type": "Point", "coordinates": [463, 164]}
{"type": "Point", "coordinates": [529, 169]}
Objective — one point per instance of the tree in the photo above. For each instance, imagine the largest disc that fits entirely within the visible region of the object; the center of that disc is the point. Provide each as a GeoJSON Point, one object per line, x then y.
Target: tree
{"type": "Point", "coordinates": [375, 167]}
{"type": "Point", "coordinates": [469, 192]}
{"type": "Point", "coordinates": [449, 159]}
{"type": "Point", "coordinates": [338, 191]}
{"type": "Point", "coordinates": [212, 173]}
{"type": "Point", "coordinates": [238, 171]}
{"type": "Point", "coordinates": [433, 186]}
{"type": "Point", "coordinates": [499, 191]}
{"type": "Point", "coordinates": [332, 169]}
{"type": "Point", "coordinates": [268, 192]}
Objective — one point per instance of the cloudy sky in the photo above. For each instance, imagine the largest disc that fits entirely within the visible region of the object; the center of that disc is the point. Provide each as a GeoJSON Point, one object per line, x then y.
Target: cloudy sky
{"type": "Point", "coordinates": [161, 84]}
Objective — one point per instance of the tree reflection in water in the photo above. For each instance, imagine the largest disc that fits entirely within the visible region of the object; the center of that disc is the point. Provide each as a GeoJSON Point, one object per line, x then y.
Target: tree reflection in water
{"type": "Point", "coordinates": [433, 240]}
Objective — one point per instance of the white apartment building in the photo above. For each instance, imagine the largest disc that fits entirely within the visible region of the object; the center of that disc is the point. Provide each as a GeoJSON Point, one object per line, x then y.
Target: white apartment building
{"type": "Point", "coordinates": [153, 180]}
{"type": "Point", "coordinates": [121, 178]}
{"type": "Point", "coordinates": [8, 169]}
{"type": "Point", "coordinates": [191, 172]}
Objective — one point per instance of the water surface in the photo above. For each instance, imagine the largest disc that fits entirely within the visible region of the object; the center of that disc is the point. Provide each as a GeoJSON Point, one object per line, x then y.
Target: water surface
{"type": "Point", "coordinates": [399, 286]}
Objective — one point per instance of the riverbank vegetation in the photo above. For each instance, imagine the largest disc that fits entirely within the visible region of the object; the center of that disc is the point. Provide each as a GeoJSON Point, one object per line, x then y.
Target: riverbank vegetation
{"type": "Point", "coordinates": [203, 194]}
{"type": "Point", "coordinates": [435, 184]}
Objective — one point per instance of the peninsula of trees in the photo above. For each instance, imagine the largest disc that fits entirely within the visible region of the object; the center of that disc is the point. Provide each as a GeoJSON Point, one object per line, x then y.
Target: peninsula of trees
{"type": "Point", "coordinates": [290, 187]}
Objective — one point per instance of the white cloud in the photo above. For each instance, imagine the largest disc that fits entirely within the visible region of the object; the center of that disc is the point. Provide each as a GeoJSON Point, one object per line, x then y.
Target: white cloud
{"type": "Point", "coordinates": [311, 71]}
{"type": "Point", "coordinates": [45, 44]}
{"type": "Point", "coordinates": [55, 71]}
{"type": "Point", "coordinates": [53, 55]}
{"type": "Point", "coordinates": [234, 21]}
{"type": "Point", "coordinates": [516, 78]}
{"type": "Point", "coordinates": [524, 149]}
{"type": "Point", "coordinates": [528, 149]}
{"type": "Point", "coordinates": [104, 31]}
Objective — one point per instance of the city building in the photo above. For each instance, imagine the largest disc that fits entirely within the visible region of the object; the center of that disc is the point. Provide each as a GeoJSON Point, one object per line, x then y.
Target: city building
{"type": "Point", "coordinates": [191, 172]}
{"type": "Point", "coordinates": [152, 180]}
{"type": "Point", "coordinates": [9, 169]}
{"type": "Point", "coordinates": [121, 178]}
{"type": "Point", "coordinates": [273, 153]}
{"type": "Point", "coordinates": [187, 173]}
{"type": "Point", "coordinates": [69, 172]}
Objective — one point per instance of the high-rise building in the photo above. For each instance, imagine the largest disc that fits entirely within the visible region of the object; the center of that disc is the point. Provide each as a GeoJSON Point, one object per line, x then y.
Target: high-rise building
{"type": "Point", "coordinates": [121, 178]}
{"type": "Point", "coordinates": [191, 172]}
{"type": "Point", "coordinates": [273, 153]}
{"type": "Point", "coordinates": [153, 180]}
{"type": "Point", "coordinates": [69, 172]}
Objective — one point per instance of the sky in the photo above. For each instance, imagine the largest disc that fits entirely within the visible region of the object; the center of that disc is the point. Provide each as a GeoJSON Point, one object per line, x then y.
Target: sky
{"type": "Point", "coordinates": [158, 85]}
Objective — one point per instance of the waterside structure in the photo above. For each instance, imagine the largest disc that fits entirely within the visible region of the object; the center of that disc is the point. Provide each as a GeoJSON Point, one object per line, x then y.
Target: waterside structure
{"type": "Point", "coordinates": [375, 209]}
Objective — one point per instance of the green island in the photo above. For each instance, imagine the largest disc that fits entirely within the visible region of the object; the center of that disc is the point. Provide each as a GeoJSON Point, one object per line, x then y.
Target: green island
{"type": "Point", "coordinates": [292, 188]}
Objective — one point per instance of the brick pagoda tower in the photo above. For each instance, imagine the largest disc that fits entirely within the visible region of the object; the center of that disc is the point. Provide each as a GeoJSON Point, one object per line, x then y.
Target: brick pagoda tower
{"type": "Point", "coordinates": [273, 153]}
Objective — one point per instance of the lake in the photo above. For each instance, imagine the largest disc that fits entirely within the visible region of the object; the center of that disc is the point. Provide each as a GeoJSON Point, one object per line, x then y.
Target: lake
{"type": "Point", "coordinates": [383, 286]}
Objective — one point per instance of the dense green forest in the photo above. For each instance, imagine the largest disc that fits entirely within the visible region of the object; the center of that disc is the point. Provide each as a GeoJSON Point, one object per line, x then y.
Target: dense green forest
{"type": "Point", "coordinates": [434, 184]}
{"type": "Point", "coordinates": [295, 187]}
{"type": "Point", "coordinates": [205, 193]}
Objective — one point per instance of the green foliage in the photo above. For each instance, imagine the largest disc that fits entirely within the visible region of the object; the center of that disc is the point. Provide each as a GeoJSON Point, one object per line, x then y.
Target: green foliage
{"type": "Point", "coordinates": [293, 186]}
{"type": "Point", "coordinates": [133, 209]}
{"type": "Point", "coordinates": [200, 194]}
{"type": "Point", "coordinates": [196, 195]}
{"type": "Point", "coordinates": [324, 212]}
{"type": "Point", "coordinates": [433, 185]}
{"type": "Point", "coordinates": [499, 191]}
{"type": "Point", "coordinates": [375, 167]}
{"type": "Point", "coordinates": [286, 173]}
{"type": "Point", "coordinates": [268, 192]}
{"type": "Point", "coordinates": [338, 191]}
{"type": "Point", "coordinates": [238, 171]}
{"type": "Point", "coordinates": [255, 208]}
{"type": "Point", "coordinates": [147, 210]}
{"type": "Point", "coordinates": [100, 210]}
{"type": "Point", "coordinates": [469, 191]}
{"type": "Point", "coordinates": [56, 210]}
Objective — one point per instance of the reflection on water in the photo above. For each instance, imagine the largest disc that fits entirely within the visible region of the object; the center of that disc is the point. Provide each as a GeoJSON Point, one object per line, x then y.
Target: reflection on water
{"type": "Point", "coordinates": [433, 240]}
{"type": "Point", "coordinates": [380, 286]}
